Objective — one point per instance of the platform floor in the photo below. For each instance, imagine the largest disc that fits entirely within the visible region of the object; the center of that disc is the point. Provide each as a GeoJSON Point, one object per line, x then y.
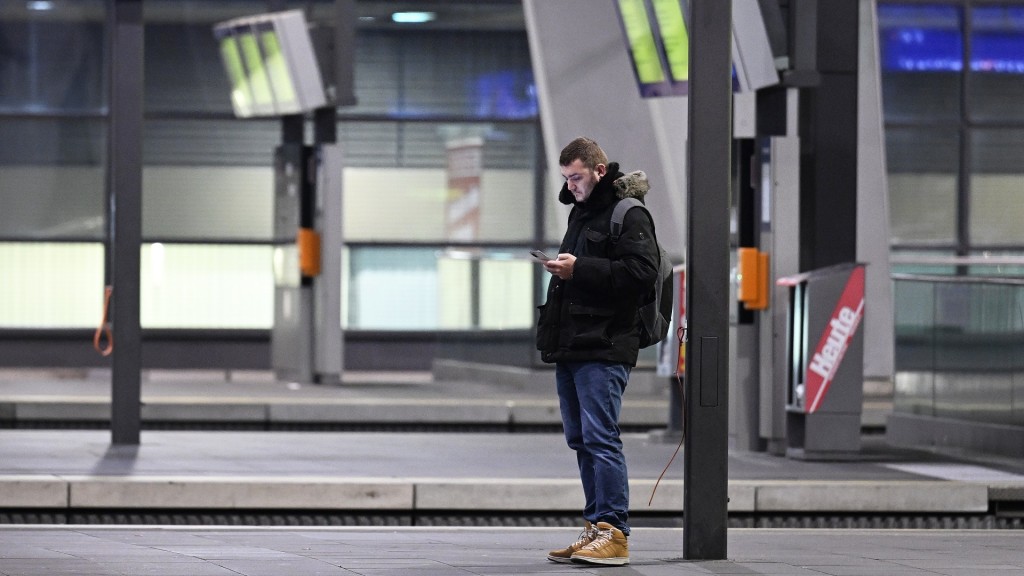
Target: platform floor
{"type": "Point", "coordinates": [80, 471]}
{"type": "Point", "coordinates": [117, 551]}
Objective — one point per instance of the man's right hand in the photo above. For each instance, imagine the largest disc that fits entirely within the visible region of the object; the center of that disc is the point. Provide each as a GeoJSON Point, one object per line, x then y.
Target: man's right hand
{"type": "Point", "coordinates": [561, 266]}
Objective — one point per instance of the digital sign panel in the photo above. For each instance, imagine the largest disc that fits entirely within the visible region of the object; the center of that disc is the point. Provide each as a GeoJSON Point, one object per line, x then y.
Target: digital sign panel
{"type": "Point", "coordinates": [658, 45]}
{"type": "Point", "coordinates": [271, 64]}
{"type": "Point", "coordinates": [241, 97]}
{"type": "Point", "coordinates": [675, 38]}
{"type": "Point", "coordinates": [277, 71]}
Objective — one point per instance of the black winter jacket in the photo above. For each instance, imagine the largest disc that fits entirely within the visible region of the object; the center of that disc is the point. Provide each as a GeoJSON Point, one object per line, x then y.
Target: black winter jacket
{"type": "Point", "coordinates": [593, 315]}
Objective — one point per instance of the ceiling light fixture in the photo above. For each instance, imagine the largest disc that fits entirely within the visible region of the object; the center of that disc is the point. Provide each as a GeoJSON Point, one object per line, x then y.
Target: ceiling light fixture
{"type": "Point", "coordinates": [413, 17]}
{"type": "Point", "coordinates": [39, 5]}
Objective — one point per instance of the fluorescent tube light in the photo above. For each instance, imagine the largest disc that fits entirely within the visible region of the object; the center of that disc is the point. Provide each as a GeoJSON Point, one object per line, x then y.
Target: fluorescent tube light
{"type": "Point", "coordinates": [413, 17]}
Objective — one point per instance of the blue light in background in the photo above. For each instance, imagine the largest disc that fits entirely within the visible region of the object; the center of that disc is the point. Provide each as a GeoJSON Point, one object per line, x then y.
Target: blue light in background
{"type": "Point", "coordinates": [920, 38]}
{"type": "Point", "coordinates": [929, 38]}
{"type": "Point", "coordinates": [506, 94]}
{"type": "Point", "coordinates": [997, 45]}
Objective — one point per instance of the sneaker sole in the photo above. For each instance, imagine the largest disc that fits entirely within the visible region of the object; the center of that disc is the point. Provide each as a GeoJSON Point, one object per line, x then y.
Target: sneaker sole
{"type": "Point", "coordinates": [560, 560]}
{"type": "Point", "coordinates": [601, 561]}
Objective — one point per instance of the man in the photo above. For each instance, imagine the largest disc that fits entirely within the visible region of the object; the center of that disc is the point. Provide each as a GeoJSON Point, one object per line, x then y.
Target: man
{"type": "Point", "coordinates": [588, 329]}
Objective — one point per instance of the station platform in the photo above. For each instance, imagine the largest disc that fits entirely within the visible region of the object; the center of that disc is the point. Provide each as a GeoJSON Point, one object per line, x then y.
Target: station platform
{"type": "Point", "coordinates": [421, 477]}
{"type": "Point", "coordinates": [191, 551]}
{"type": "Point", "coordinates": [227, 480]}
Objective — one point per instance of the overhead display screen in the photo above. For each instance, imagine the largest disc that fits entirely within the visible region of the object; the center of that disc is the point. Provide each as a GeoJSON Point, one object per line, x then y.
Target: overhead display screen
{"type": "Point", "coordinates": [277, 71]}
{"type": "Point", "coordinates": [241, 96]}
{"type": "Point", "coordinates": [669, 16]}
{"type": "Point", "coordinates": [271, 64]}
{"type": "Point", "coordinates": [640, 37]}
{"type": "Point", "coordinates": [930, 38]}
{"type": "Point", "coordinates": [658, 45]}
{"type": "Point", "coordinates": [259, 83]}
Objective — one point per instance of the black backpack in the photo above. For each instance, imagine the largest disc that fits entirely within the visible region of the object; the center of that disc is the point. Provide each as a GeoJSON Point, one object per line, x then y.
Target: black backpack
{"type": "Point", "coordinates": [655, 312]}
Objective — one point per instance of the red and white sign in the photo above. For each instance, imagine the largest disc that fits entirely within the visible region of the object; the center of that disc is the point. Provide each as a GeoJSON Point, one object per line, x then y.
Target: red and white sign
{"type": "Point", "coordinates": [462, 206]}
{"type": "Point", "coordinates": [846, 318]}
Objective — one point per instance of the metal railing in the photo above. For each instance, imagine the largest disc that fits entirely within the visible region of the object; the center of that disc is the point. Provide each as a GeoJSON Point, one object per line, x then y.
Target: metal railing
{"type": "Point", "coordinates": [960, 346]}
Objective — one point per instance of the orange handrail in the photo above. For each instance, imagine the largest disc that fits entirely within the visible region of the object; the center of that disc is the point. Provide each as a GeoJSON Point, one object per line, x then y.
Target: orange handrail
{"type": "Point", "coordinates": [104, 328]}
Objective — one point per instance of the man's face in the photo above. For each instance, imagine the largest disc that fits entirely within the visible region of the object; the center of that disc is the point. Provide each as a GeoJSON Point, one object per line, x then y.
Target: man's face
{"type": "Point", "coordinates": [581, 180]}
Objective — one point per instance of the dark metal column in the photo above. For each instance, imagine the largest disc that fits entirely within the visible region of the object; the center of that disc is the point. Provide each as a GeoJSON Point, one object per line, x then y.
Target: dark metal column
{"type": "Point", "coordinates": [124, 161]}
{"type": "Point", "coordinates": [705, 464]}
{"type": "Point", "coordinates": [540, 193]}
{"type": "Point", "coordinates": [828, 133]}
{"type": "Point", "coordinates": [746, 387]}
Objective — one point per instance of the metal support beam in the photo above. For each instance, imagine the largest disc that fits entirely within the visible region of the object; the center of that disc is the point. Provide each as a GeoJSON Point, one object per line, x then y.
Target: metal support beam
{"type": "Point", "coordinates": [540, 192]}
{"type": "Point", "coordinates": [828, 132]}
{"type": "Point", "coordinates": [705, 469]}
{"type": "Point", "coordinates": [124, 173]}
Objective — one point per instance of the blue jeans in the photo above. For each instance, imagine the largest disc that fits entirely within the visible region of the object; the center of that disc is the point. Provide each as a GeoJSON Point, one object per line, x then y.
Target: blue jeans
{"type": "Point", "coordinates": [590, 396]}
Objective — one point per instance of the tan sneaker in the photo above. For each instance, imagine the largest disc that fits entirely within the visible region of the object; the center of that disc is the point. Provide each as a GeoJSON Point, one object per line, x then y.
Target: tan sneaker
{"type": "Point", "coordinates": [609, 547]}
{"type": "Point", "coordinates": [565, 554]}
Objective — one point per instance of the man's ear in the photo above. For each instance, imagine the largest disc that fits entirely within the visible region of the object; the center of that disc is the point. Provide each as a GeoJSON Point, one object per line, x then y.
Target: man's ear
{"type": "Point", "coordinates": [601, 170]}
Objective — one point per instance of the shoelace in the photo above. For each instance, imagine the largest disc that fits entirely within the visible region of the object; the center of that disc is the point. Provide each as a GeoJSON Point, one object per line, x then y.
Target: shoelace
{"type": "Point", "coordinates": [585, 537]}
{"type": "Point", "coordinates": [603, 537]}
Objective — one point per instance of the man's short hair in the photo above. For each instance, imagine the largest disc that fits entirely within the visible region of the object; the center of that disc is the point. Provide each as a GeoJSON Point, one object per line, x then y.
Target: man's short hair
{"type": "Point", "coordinates": [585, 150]}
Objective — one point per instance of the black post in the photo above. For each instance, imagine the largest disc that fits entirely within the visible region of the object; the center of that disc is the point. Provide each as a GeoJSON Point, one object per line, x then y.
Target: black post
{"type": "Point", "coordinates": [540, 193]}
{"type": "Point", "coordinates": [124, 162]}
{"type": "Point", "coordinates": [705, 458]}
{"type": "Point", "coordinates": [828, 136]}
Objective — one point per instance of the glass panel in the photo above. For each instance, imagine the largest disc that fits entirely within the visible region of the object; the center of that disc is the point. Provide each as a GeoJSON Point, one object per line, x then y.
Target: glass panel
{"type": "Point", "coordinates": [426, 288]}
{"type": "Point", "coordinates": [51, 285]}
{"type": "Point", "coordinates": [997, 63]}
{"type": "Point", "coordinates": [222, 202]}
{"type": "Point", "coordinates": [207, 286]}
{"type": "Point", "coordinates": [60, 285]}
{"type": "Point", "coordinates": [422, 200]}
{"type": "Point", "coordinates": [214, 179]}
{"type": "Point", "coordinates": [53, 178]}
{"type": "Point", "coordinates": [958, 349]}
{"type": "Point", "coordinates": [455, 271]}
{"type": "Point", "coordinates": [923, 166]}
{"type": "Point", "coordinates": [506, 293]}
{"type": "Point", "coordinates": [921, 50]}
{"type": "Point", "coordinates": [209, 179]}
{"type": "Point", "coordinates": [183, 69]}
{"type": "Point", "coordinates": [997, 186]}
{"type": "Point", "coordinates": [423, 144]}
{"type": "Point", "coordinates": [422, 74]}
{"type": "Point", "coordinates": [393, 288]}
{"type": "Point", "coordinates": [211, 142]}
{"type": "Point", "coordinates": [53, 60]}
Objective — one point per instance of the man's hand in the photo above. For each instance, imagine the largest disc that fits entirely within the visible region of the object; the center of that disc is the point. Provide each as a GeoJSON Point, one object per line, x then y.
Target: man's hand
{"type": "Point", "coordinates": [561, 266]}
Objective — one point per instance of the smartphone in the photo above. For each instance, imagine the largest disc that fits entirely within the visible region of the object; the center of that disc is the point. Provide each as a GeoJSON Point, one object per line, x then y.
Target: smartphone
{"type": "Point", "coordinates": [540, 255]}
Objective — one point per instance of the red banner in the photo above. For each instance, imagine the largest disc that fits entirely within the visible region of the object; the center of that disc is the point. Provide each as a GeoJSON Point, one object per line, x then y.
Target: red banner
{"type": "Point", "coordinates": [462, 208]}
{"type": "Point", "coordinates": [846, 318]}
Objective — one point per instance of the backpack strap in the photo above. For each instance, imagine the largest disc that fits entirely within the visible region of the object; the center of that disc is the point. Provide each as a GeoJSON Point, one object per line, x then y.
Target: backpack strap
{"type": "Point", "coordinates": [619, 214]}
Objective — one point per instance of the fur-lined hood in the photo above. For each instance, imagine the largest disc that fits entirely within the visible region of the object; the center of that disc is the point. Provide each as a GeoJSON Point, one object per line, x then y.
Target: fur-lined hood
{"type": "Point", "coordinates": [632, 185]}
{"type": "Point", "coordinates": [614, 182]}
